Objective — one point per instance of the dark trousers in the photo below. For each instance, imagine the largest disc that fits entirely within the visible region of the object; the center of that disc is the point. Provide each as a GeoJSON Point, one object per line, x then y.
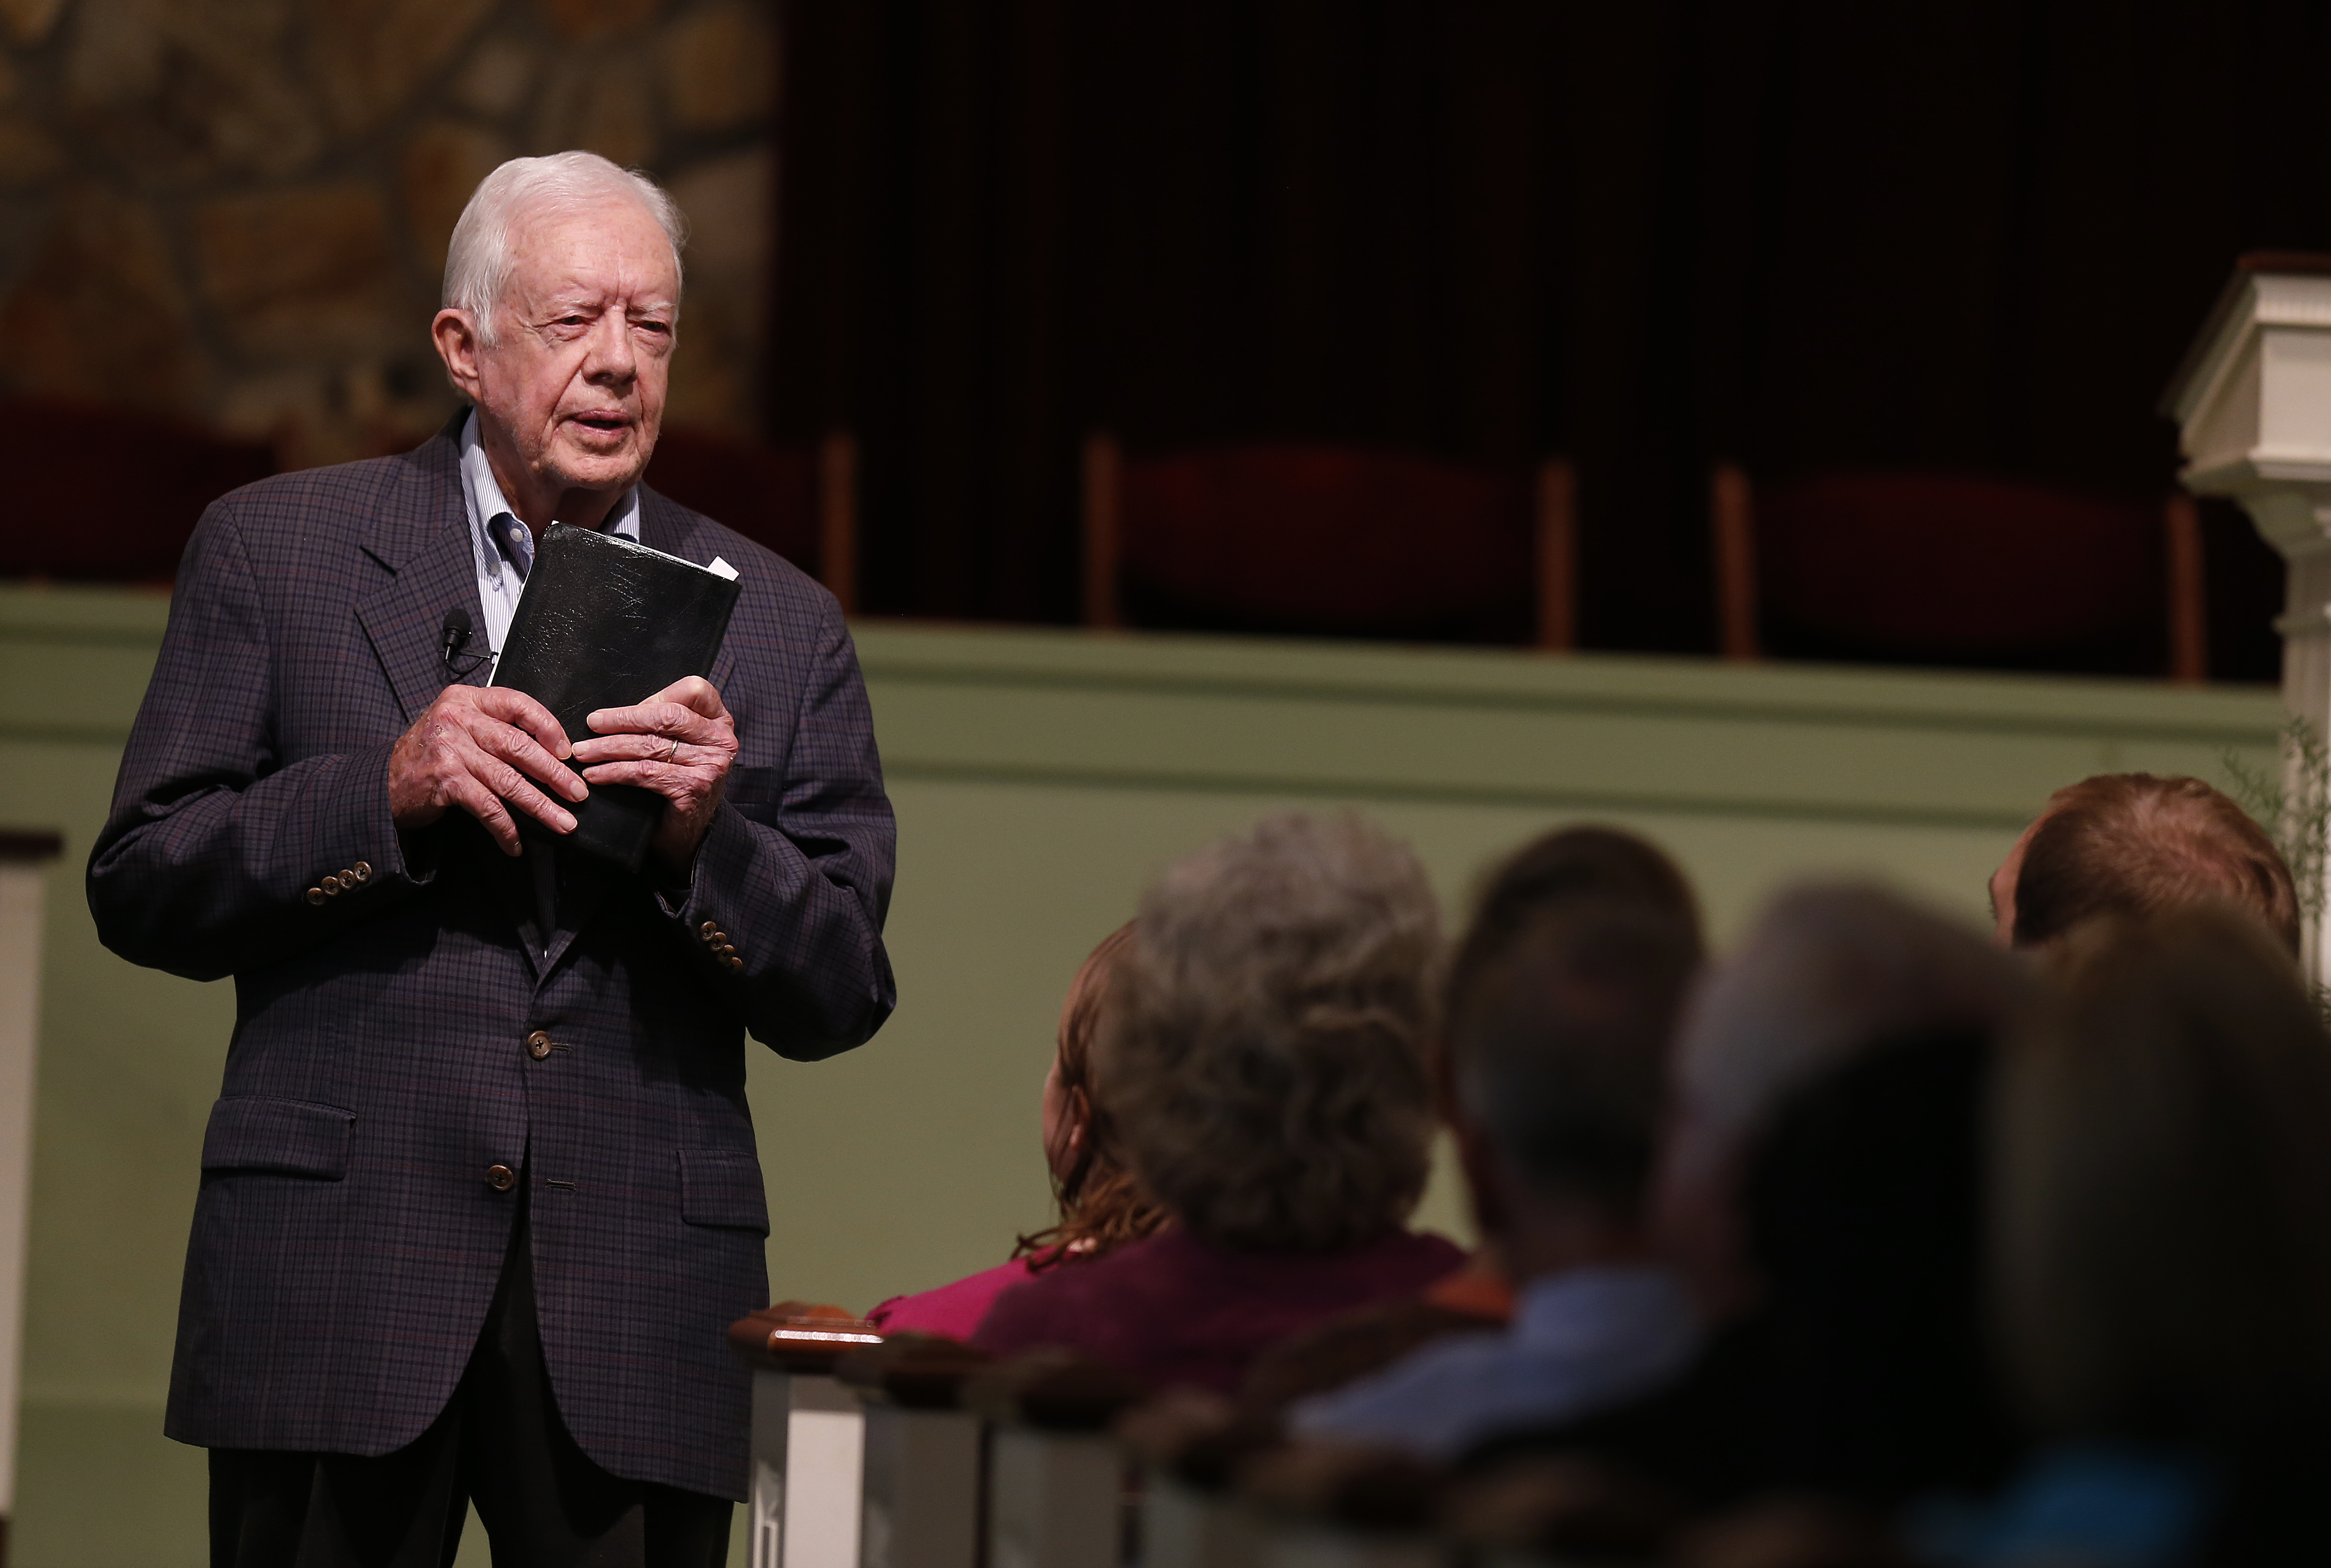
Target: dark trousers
{"type": "Point", "coordinates": [499, 1443]}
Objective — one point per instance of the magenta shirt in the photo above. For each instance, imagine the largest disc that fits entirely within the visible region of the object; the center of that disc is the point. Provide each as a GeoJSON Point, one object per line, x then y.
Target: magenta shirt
{"type": "Point", "coordinates": [951, 1311]}
{"type": "Point", "coordinates": [1179, 1310]}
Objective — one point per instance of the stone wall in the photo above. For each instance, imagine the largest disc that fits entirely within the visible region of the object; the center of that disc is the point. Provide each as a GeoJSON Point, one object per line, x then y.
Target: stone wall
{"type": "Point", "coordinates": [236, 211]}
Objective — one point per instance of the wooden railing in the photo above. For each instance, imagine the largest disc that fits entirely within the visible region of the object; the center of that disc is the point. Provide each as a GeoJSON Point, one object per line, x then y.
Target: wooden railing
{"type": "Point", "coordinates": [914, 1452]}
{"type": "Point", "coordinates": [808, 1435]}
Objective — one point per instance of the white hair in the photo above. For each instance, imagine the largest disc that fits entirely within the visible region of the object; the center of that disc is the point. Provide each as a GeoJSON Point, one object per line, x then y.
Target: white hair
{"type": "Point", "coordinates": [1829, 970]}
{"type": "Point", "coordinates": [1262, 1054]}
{"type": "Point", "coordinates": [477, 258]}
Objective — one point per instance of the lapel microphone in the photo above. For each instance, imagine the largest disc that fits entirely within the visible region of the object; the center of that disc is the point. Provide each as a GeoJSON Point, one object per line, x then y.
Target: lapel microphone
{"type": "Point", "coordinates": [453, 636]}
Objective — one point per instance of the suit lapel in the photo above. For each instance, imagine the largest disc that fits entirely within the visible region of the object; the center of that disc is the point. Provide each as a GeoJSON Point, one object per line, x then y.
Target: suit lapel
{"type": "Point", "coordinates": [422, 535]}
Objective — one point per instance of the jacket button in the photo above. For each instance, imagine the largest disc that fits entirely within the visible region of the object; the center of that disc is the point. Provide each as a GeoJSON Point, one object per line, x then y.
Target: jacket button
{"type": "Point", "coordinates": [315, 895]}
{"type": "Point", "coordinates": [361, 871]}
{"type": "Point", "coordinates": [500, 1178]}
{"type": "Point", "coordinates": [537, 1044]}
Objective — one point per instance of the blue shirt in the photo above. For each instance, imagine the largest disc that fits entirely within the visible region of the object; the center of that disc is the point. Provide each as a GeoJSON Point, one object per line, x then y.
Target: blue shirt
{"type": "Point", "coordinates": [2097, 1505]}
{"type": "Point", "coordinates": [499, 583]}
{"type": "Point", "coordinates": [1580, 1341]}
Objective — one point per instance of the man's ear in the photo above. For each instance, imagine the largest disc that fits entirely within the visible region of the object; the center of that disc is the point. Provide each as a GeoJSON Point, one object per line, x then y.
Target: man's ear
{"type": "Point", "coordinates": [455, 334]}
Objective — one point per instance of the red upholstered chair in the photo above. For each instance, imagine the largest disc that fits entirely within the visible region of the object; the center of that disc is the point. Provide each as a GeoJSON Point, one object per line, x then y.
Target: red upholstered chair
{"type": "Point", "coordinates": [1953, 568]}
{"type": "Point", "coordinates": [799, 503]}
{"type": "Point", "coordinates": [1327, 540]}
{"type": "Point", "coordinates": [110, 495]}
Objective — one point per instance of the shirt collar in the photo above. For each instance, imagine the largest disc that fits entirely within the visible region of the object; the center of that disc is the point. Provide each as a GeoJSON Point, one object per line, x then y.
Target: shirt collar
{"type": "Point", "coordinates": [483, 498]}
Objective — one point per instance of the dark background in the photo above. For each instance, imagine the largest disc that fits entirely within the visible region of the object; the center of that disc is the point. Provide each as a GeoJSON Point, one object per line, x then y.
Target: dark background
{"type": "Point", "coordinates": [1801, 236]}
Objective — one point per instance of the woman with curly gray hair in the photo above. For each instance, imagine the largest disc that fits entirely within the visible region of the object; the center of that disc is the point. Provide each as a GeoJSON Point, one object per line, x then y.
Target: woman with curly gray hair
{"type": "Point", "coordinates": [1262, 1057]}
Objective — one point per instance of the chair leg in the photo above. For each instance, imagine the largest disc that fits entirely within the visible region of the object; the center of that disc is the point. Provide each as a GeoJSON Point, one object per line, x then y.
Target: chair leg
{"type": "Point", "coordinates": [1103, 536]}
{"type": "Point", "coordinates": [2188, 612]}
{"type": "Point", "coordinates": [1732, 520]}
{"type": "Point", "coordinates": [1557, 555]}
{"type": "Point", "coordinates": [837, 517]}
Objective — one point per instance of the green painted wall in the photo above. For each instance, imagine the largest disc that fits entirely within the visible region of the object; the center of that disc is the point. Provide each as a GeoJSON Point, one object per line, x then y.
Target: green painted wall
{"type": "Point", "coordinates": [1041, 778]}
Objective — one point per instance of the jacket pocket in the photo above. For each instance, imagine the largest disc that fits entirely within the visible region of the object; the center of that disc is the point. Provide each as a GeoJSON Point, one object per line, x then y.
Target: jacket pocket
{"type": "Point", "coordinates": [723, 1187]}
{"type": "Point", "coordinates": [289, 1137]}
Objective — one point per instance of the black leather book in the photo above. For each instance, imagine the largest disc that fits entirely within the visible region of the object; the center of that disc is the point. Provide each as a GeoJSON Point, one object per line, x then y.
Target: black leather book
{"type": "Point", "coordinates": [605, 622]}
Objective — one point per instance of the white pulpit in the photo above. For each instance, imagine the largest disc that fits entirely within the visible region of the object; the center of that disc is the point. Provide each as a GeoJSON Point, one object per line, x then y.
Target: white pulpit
{"type": "Point", "coordinates": [23, 860]}
{"type": "Point", "coordinates": [2253, 408]}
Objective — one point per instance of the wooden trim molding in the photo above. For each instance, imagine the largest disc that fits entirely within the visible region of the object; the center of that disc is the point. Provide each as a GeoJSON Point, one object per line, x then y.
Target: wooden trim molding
{"type": "Point", "coordinates": [1732, 520]}
{"type": "Point", "coordinates": [799, 1336]}
{"type": "Point", "coordinates": [1557, 555]}
{"type": "Point", "coordinates": [2188, 590]}
{"type": "Point", "coordinates": [30, 846]}
{"type": "Point", "coordinates": [837, 517]}
{"type": "Point", "coordinates": [1104, 530]}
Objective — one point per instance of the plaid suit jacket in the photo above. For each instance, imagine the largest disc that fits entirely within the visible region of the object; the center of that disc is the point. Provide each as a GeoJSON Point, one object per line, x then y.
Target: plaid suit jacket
{"type": "Point", "coordinates": [346, 1240]}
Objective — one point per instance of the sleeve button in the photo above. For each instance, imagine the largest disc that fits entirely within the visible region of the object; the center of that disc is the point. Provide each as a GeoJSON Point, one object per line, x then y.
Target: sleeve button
{"type": "Point", "coordinates": [331, 886]}
{"type": "Point", "coordinates": [361, 871]}
{"type": "Point", "coordinates": [709, 930]}
{"type": "Point", "coordinates": [315, 895]}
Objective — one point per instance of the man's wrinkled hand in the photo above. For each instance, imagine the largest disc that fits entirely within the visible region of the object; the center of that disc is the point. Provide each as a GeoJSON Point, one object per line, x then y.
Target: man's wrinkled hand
{"type": "Point", "coordinates": [488, 750]}
{"type": "Point", "coordinates": [679, 743]}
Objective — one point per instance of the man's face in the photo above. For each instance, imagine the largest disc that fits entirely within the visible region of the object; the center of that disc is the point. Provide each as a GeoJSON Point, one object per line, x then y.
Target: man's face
{"type": "Point", "coordinates": [573, 381]}
{"type": "Point", "coordinates": [2002, 889]}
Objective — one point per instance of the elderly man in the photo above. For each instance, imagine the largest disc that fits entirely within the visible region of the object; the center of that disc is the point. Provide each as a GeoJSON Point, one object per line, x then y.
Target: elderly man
{"type": "Point", "coordinates": [480, 1192]}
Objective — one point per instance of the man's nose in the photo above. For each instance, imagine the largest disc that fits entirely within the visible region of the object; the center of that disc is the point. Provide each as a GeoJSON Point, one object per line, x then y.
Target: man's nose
{"type": "Point", "coordinates": [613, 358]}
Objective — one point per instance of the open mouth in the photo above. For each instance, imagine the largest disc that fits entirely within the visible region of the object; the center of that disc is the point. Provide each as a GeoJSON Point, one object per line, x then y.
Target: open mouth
{"type": "Point", "coordinates": [608, 423]}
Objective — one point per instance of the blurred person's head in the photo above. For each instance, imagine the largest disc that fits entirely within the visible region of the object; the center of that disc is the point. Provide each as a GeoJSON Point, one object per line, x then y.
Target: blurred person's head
{"type": "Point", "coordinates": [1822, 1183]}
{"type": "Point", "coordinates": [1559, 1043]}
{"type": "Point", "coordinates": [2163, 1184]}
{"type": "Point", "coordinates": [1592, 866]}
{"type": "Point", "coordinates": [1825, 974]}
{"type": "Point", "coordinates": [560, 310]}
{"type": "Point", "coordinates": [2132, 844]}
{"type": "Point", "coordinates": [1261, 1054]}
{"type": "Point", "coordinates": [1100, 1205]}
